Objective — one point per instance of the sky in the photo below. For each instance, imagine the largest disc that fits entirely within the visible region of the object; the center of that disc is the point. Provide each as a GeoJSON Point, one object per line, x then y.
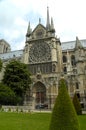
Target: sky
{"type": "Point", "coordinates": [69, 18]}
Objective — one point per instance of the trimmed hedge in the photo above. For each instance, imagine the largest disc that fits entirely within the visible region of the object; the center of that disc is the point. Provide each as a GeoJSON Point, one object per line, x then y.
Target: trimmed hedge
{"type": "Point", "coordinates": [64, 116]}
{"type": "Point", "coordinates": [77, 105]}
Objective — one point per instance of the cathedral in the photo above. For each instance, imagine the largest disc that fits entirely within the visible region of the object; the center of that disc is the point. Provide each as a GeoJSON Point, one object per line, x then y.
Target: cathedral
{"type": "Point", "coordinates": [48, 59]}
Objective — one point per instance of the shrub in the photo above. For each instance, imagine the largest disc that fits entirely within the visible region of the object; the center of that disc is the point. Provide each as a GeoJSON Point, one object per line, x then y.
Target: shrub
{"type": "Point", "coordinates": [7, 96]}
{"type": "Point", "coordinates": [77, 105]}
{"type": "Point", "coordinates": [63, 116]}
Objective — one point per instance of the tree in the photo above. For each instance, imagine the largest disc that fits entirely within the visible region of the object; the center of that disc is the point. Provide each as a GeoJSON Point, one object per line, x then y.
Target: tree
{"type": "Point", "coordinates": [17, 77]}
{"type": "Point", "coordinates": [7, 96]}
{"type": "Point", "coordinates": [77, 105]}
{"type": "Point", "coordinates": [0, 64]}
{"type": "Point", "coordinates": [63, 116]}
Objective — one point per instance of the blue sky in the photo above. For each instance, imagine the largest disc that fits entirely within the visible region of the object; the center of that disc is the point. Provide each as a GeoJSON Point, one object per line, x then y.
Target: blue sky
{"type": "Point", "coordinates": [68, 15]}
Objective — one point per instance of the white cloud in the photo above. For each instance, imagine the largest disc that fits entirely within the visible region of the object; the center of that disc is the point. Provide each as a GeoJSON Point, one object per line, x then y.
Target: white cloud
{"type": "Point", "coordinates": [69, 18]}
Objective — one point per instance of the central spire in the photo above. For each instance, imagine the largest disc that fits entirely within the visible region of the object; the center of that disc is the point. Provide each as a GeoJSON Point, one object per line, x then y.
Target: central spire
{"type": "Point", "coordinates": [48, 20]}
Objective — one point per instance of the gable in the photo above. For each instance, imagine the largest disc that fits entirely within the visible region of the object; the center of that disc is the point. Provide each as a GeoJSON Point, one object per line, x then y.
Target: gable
{"type": "Point", "coordinates": [39, 31]}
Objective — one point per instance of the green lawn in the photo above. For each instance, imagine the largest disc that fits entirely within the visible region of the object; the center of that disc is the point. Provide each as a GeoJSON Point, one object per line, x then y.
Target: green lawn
{"type": "Point", "coordinates": [82, 122]}
{"type": "Point", "coordinates": [26, 121]}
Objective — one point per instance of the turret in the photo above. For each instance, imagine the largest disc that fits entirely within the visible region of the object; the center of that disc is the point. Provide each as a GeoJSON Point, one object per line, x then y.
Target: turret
{"type": "Point", "coordinates": [78, 44]}
{"type": "Point", "coordinates": [79, 56]}
{"type": "Point", "coordinates": [79, 50]}
{"type": "Point", "coordinates": [52, 29]}
{"type": "Point", "coordinates": [29, 31]}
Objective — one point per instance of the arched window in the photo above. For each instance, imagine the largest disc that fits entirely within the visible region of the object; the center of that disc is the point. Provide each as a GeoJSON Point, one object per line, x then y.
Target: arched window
{"type": "Point", "coordinates": [65, 70]}
{"type": "Point", "coordinates": [73, 61]}
{"type": "Point", "coordinates": [6, 49]}
{"type": "Point", "coordinates": [77, 85]}
{"type": "Point", "coordinates": [64, 59]}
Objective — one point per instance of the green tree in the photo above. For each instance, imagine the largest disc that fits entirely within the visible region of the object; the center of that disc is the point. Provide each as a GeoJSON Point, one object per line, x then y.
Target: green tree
{"type": "Point", "coordinates": [64, 116]}
{"type": "Point", "coordinates": [77, 105]}
{"type": "Point", "coordinates": [17, 77]}
{"type": "Point", "coordinates": [7, 96]}
{"type": "Point", "coordinates": [0, 64]}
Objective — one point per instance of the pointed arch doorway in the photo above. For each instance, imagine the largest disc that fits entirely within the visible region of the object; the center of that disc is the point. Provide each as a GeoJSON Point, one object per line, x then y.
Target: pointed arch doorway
{"type": "Point", "coordinates": [39, 93]}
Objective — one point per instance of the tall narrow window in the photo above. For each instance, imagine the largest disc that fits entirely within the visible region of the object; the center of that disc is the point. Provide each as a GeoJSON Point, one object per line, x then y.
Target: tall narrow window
{"type": "Point", "coordinates": [65, 70]}
{"type": "Point", "coordinates": [77, 85]}
{"type": "Point", "coordinates": [73, 62]}
{"type": "Point", "coordinates": [64, 59]}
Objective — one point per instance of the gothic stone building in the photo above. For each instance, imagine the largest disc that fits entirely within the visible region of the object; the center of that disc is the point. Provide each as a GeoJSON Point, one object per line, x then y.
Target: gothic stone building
{"type": "Point", "coordinates": [47, 59]}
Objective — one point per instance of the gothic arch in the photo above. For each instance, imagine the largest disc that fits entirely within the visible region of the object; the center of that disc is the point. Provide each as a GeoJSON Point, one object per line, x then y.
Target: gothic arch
{"type": "Point", "coordinates": [39, 92]}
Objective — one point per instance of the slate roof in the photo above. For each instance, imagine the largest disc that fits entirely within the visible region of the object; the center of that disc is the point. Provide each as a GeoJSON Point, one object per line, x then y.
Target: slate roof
{"type": "Point", "coordinates": [71, 45]}
{"type": "Point", "coordinates": [65, 46]}
{"type": "Point", "coordinates": [12, 54]}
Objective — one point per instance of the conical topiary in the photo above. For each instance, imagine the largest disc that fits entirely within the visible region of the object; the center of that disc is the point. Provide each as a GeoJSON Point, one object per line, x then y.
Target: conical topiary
{"type": "Point", "coordinates": [63, 116]}
{"type": "Point", "coordinates": [77, 105]}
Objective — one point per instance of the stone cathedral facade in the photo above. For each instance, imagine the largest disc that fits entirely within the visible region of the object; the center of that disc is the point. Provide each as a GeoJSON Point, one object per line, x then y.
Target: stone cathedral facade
{"type": "Point", "coordinates": [48, 59]}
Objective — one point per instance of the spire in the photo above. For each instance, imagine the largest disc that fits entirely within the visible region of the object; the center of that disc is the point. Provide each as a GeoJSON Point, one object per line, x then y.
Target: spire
{"type": "Point", "coordinates": [78, 44]}
{"type": "Point", "coordinates": [29, 29]}
{"type": "Point", "coordinates": [39, 20]}
{"type": "Point", "coordinates": [52, 25]}
{"type": "Point", "coordinates": [48, 20]}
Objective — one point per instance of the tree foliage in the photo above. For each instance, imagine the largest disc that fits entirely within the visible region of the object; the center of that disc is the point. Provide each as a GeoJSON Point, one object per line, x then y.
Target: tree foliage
{"type": "Point", "coordinates": [0, 64]}
{"type": "Point", "coordinates": [7, 96]}
{"type": "Point", "coordinates": [63, 116]}
{"type": "Point", "coordinates": [17, 77]}
{"type": "Point", "coordinates": [77, 105]}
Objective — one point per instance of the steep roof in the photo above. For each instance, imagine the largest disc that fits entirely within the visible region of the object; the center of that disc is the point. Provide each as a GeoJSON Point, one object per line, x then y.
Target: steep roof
{"type": "Point", "coordinates": [12, 54]}
{"type": "Point", "coordinates": [71, 45]}
{"type": "Point", "coordinates": [65, 46]}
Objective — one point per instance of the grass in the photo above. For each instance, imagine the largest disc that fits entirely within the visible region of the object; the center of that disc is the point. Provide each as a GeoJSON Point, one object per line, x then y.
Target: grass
{"type": "Point", "coordinates": [82, 122]}
{"type": "Point", "coordinates": [26, 121]}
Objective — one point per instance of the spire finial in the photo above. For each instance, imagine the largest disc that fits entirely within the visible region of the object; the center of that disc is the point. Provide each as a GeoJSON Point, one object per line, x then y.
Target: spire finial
{"type": "Point", "coordinates": [48, 20]}
{"type": "Point", "coordinates": [39, 20]}
{"type": "Point", "coordinates": [52, 25]}
{"type": "Point", "coordinates": [29, 29]}
{"type": "Point", "coordinates": [52, 22]}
